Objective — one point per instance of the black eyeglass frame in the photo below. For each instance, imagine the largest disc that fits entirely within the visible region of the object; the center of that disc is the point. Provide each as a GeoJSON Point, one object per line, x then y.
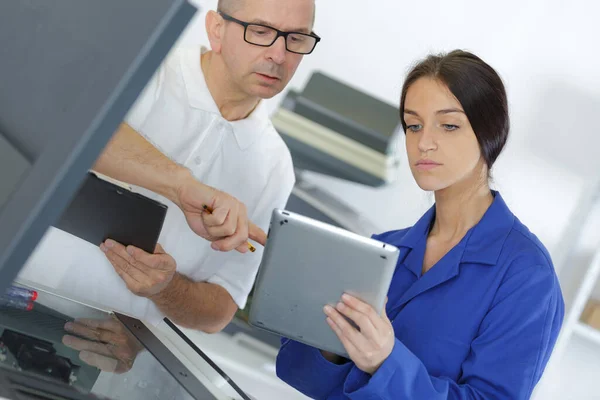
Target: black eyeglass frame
{"type": "Point", "coordinates": [283, 34]}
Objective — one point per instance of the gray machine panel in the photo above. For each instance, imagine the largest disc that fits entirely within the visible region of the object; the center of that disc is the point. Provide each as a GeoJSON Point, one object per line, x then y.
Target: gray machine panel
{"type": "Point", "coordinates": [13, 167]}
{"type": "Point", "coordinates": [70, 71]}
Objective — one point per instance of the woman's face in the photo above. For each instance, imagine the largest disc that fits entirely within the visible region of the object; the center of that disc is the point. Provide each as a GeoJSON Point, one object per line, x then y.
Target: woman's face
{"type": "Point", "coordinates": [442, 147]}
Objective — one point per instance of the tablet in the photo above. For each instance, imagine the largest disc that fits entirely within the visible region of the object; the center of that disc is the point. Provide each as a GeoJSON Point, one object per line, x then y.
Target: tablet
{"type": "Point", "coordinates": [104, 210]}
{"type": "Point", "coordinates": [308, 264]}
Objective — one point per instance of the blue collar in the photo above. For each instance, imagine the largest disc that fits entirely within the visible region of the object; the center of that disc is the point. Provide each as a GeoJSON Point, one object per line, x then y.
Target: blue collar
{"type": "Point", "coordinates": [482, 244]}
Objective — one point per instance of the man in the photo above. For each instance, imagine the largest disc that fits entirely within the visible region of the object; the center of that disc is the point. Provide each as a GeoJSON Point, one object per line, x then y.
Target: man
{"type": "Point", "coordinates": [199, 125]}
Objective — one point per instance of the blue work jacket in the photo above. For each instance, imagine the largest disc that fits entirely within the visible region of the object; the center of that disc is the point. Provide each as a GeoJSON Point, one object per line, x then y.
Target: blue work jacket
{"type": "Point", "coordinates": [480, 324]}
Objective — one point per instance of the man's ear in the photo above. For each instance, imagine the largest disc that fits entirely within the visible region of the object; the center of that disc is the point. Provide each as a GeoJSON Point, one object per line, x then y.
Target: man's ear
{"type": "Point", "coordinates": [215, 25]}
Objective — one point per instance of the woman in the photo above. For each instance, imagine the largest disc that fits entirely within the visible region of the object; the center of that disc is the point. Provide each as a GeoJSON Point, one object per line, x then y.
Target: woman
{"type": "Point", "coordinates": [475, 307]}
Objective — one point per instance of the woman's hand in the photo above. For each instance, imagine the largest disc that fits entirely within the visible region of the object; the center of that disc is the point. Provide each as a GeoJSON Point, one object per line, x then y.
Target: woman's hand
{"type": "Point", "coordinates": [371, 344]}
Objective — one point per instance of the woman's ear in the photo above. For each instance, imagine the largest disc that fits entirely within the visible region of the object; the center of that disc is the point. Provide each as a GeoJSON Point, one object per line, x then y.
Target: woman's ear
{"type": "Point", "coordinates": [214, 28]}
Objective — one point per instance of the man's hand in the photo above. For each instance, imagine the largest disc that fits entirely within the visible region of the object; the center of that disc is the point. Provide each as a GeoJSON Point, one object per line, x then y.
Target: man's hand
{"type": "Point", "coordinates": [227, 226]}
{"type": "Point", "coordinates": [144, 274]}
{"type": "Point", "coordinates": [108, 345]}
{"type": "Point", "coordinates": [372, 343]}
{"type": "Point", "coordinates": [130, 158]}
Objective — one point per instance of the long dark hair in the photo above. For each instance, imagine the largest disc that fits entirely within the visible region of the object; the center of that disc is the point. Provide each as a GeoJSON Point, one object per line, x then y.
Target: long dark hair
{"type": "Point", "coordinates": [478, 88]}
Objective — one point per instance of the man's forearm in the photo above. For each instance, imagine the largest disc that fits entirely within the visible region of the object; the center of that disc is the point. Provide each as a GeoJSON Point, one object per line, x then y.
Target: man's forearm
{"type": "Point", "coordinates": [196, 305]}
{"type": "Point", "coordinates": [130, 158]}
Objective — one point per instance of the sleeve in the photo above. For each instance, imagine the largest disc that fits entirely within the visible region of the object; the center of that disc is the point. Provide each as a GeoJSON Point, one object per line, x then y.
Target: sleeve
{"type": "Point", "coordinates": [507, 357]}
{"type": "Point", "coordinates": [306, 370]}
{"type": "Point", "coordinates": [238, 272]}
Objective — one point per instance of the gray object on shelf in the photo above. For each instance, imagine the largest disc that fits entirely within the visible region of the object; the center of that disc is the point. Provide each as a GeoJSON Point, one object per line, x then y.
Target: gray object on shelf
{"type": "Point", "coordinates": [315, 202]}
{"type": "Point", "coordinates": [354, 113]}
{"type": "Point", "coordinates": [337, 130]}
{"type": "Point", "coordinates": [308, 158]}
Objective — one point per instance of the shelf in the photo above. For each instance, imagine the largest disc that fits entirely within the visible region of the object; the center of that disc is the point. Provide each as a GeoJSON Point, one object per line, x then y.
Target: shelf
{"type": "Point", "coordinates": [584, 330]}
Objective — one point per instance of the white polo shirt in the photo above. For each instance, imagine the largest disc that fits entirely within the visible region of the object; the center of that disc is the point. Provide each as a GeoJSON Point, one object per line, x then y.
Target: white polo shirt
{"type": "Point", "coordinates": [246, 158]}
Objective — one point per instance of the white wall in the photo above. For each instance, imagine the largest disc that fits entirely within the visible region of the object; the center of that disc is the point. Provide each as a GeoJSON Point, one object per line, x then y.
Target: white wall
{"type": "Point", "coordinates": [547, 53]}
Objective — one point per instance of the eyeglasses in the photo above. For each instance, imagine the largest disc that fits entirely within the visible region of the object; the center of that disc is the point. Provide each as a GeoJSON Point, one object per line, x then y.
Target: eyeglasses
{"type": "Point", "coordinates": [265, 36]}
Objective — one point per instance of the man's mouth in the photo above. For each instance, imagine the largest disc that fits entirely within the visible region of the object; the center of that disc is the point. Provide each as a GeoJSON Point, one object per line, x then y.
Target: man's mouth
{"type": "Point", "coordinates": [268, 77]}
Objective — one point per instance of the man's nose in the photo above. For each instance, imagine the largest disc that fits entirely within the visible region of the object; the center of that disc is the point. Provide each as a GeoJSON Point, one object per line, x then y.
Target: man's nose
{"type": "Point", "coordinates": [277, 51]}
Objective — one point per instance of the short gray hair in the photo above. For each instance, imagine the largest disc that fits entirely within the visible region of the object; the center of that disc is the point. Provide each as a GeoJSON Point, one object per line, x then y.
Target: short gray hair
{"type": "Point", "coordinates": [231, 6]}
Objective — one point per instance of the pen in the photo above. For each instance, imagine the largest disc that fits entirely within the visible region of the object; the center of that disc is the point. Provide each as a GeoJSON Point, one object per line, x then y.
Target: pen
{"type": "Point", "coordinates": [210, 211]}
{"type": "Point", "coordinates": [15, 292]}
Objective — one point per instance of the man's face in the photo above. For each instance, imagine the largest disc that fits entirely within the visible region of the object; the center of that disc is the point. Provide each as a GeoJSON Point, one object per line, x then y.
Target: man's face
{"type": "Point", "coordinates": [265, 71]}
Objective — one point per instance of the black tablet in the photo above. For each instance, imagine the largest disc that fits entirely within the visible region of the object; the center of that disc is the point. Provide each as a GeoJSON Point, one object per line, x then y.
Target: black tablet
{"type": "Point", "coordinates": [103, 210]}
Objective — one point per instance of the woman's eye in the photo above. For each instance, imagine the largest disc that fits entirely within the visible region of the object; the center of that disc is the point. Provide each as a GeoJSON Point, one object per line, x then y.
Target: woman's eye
{"type": "Point", "coordinates": [414, 128]}
{"type": "Point", "coordinates": [450, 127]}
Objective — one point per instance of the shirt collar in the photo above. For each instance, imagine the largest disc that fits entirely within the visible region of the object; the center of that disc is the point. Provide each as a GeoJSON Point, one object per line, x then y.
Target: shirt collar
{"type": "Point", "coordinates": [247, 130]}
{"type": "Point", "coordinates": [487, 239]}
{"type": "Point", "coordinates": [483, 242]}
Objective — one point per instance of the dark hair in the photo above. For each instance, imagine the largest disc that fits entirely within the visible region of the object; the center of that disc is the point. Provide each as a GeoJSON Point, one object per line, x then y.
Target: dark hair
{"type": "Point", "coordinates": [479, 90]}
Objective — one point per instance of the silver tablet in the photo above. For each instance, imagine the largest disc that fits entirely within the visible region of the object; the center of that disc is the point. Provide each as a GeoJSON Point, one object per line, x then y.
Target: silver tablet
{"type": "Point", "coordinates": [308, 264]}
